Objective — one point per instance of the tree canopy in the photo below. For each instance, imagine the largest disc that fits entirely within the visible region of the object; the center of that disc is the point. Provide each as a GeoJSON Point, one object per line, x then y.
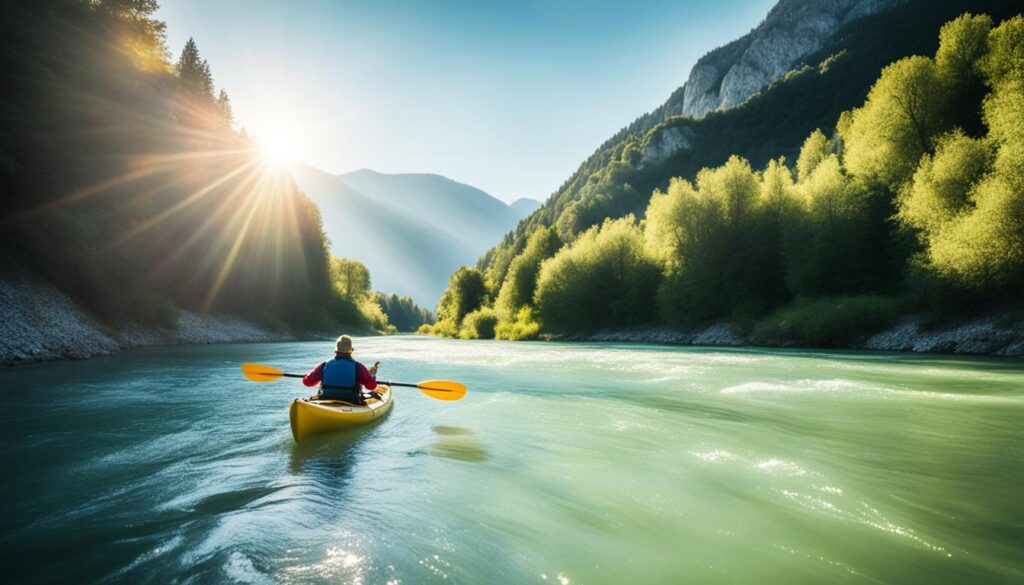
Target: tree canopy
{"type": "Point", "coordinates": [916, 199]}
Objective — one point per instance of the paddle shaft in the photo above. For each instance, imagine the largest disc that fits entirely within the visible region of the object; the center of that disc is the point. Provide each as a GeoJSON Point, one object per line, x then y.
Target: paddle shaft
{"type": "Point", "coordinates": [286, 375]}
{"type": "Point", "coordinates": [414, 386]}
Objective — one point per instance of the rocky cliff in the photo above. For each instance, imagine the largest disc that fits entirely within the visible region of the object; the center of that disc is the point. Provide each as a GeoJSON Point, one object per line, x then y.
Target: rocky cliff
{"type": "Point", "coordinates": [793, 29]}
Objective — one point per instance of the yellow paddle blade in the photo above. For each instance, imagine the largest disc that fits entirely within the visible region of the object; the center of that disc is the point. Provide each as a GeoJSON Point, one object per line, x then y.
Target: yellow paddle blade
{"type": "Point", "coordinates": [442, 389]}
{"type": "Point", "coordinates": [261, 373]}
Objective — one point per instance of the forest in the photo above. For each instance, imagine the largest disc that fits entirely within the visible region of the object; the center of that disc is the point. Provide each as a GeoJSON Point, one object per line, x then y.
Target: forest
{"type": "Point", "coordinates": [915, 201]}
{"type": "Point", "coordinates": [127, 185]}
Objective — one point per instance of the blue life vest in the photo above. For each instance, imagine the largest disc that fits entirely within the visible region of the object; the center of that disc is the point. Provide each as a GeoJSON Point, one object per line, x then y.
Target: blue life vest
{"type": "Point", "coordinates": [339, 380]}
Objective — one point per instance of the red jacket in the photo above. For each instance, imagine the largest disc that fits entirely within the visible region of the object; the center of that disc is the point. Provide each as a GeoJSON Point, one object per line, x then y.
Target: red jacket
{"type": "Point", "coordinates": [363, 376]}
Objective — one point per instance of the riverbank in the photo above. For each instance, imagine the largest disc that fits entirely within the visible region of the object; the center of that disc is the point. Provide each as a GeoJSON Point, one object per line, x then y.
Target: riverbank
{"type": "Point", "coordinates": [41, 323]}
{"type": "Point", "coordinates": [995, 334]}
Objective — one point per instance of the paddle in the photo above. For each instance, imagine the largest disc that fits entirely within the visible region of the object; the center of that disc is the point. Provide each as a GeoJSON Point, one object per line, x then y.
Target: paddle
{"type": "Point", "coordinates": [439, 389]}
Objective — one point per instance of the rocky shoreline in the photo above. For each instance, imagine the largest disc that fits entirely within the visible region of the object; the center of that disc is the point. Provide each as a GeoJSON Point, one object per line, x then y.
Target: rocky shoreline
{"type": "Point", "coordinates": [41, 323]}
{"type": "Point", "coordinates": [993, 335]}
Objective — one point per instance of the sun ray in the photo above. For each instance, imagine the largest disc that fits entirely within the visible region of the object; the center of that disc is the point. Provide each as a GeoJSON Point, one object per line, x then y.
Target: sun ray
{"type": "Point", "coordinates": [182, 204]}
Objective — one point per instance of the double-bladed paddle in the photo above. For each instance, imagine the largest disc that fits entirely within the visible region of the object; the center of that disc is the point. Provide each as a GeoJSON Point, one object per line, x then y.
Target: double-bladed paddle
{"type": "Point", "coordinates": [439, 389]}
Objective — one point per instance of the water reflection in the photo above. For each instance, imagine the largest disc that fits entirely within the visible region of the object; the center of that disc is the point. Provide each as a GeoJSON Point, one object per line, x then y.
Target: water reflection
{"type": "Point", "coordinates": [331, 452]}
{"type": "Point", "coordinates": [457, 443]}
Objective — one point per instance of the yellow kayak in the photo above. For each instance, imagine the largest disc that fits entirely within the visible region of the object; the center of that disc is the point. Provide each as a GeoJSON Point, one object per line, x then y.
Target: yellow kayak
{"type": "Point", "coordinates": [313, 417]}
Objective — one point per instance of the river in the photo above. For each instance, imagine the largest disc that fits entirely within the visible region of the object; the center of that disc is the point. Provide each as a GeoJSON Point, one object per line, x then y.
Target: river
{"type": "Point", "coordinates": [566, 463]}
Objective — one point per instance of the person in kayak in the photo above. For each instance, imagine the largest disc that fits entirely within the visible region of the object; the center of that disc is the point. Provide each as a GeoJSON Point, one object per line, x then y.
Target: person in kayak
{"type": "Point", "coordinates": [342, 378]}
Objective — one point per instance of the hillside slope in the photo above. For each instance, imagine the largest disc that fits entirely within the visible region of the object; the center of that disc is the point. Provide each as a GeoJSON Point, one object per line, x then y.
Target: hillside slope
{"type": "Point", "coordinates": [620, 176]}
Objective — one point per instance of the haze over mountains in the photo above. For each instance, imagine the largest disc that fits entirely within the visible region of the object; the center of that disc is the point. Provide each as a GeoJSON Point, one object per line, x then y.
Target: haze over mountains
{"type": "Point", "coordinates": [411, 230]}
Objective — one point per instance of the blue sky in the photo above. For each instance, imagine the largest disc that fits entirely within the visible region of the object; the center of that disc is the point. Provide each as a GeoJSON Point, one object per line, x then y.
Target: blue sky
{"type": "Point", "coordinates": [506, 96]}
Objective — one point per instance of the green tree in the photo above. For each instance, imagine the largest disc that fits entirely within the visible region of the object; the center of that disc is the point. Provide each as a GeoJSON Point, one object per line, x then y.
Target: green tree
{"type": "Point", "coordinates": [194, 71]}
{"type": "Point", "coordinates": [479, 324]}
{"type": "Point", "coordinates": [815, 149]}
{"type": "Point", "coordinates": [351, 278]}
{"type": "Point", "coordinates": [1006, 52]}
{"type": "Point", "coordinates": [967, 202]}
{"type": "Point", "coordinates": [521, 280]}
{"type": "Point", "coordinates": [903, 113]}
{"type": "Point", "coordinates": [720, 242]}
{"type": "Point", "coordinates": [402, 312]}
{"type": "Point", "coordinates": [466, 292]}
{"type": "Point", "coordinates": [143, 38]}
{"type": "Point", "coordinates": [827, 241]}
{"type": "Point", "coordinates": [603, 279]}
{"type": "Point", "coordinates": [962, 43]}
{"type": "Point", "coordinates": [941, 188]}
{"type": "Point", "coordinates": [224, 106]}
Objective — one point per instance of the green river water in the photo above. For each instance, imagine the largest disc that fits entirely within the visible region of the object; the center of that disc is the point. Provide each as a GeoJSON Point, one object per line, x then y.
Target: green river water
{"type": "Point", "coordinates": [566, 463]}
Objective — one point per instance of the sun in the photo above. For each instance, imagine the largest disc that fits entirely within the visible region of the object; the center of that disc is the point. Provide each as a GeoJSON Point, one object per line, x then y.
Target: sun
{"type": "Point", "coordinates": [278, 144]}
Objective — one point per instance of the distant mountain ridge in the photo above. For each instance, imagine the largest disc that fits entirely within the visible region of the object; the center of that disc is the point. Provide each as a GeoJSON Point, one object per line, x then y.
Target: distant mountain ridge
{"type": "Point", "coordinates": [411, 230]}
{"type": "Point", "coordinates": [524, 206]}
{"type": "Point", "coordinates": [467, 214]}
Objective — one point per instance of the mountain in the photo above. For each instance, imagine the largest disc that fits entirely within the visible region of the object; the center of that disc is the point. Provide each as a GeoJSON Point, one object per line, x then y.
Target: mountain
{"type": "Point", "coordinates": [793, 29]}
{"type": "Point", "coordinates": [833, 52]}
{"type": "Point", "coordinates": [524, 206]}
{"type": "Point", "coordinates": [410, 230]}
{"type": "Point", "coordinates": [404, 254]}
{"type": "Point", "coordinates": [470, 216]}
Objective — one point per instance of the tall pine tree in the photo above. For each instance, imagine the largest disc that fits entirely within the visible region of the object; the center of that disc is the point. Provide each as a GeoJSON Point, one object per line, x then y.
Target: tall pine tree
{"type": "Point", "coordinates": [194, 71]}
{"type": "Point", "coordinates": [224, 105]}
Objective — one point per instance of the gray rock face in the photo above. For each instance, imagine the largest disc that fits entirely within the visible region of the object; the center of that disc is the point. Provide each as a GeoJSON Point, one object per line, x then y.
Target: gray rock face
{"type": "Point", "coordinates": [792, 30]}
{"type": "Point", "coordinates": [662, 145]}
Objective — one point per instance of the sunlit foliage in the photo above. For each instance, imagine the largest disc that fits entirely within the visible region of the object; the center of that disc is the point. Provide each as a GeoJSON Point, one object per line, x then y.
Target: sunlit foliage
{"type": "Point", "coordinates": [617, 179]}
{"type": "Point", "coordinates": [967, 202]}
{"type": "Point", "coordinates": [523, 326]}
{"type": "Point", "coordinates": [351, 278]}
{"type": "Point", "coordinates": [603, 278]}
{"type": "Point", "coordinates": [466, 292]}
{"type": "Point", "coordinates": [479, 324]}
{"type": "Point", "coordinates": [719, 242]}
{"type": "Point", "coordinates": [814, 150]}
{"type": "Point", "coordinates": [916, 200]}
{"type": "Point", "coordinates": [521, 281]}
{"type": "Point", "coordinates": [898, 122]}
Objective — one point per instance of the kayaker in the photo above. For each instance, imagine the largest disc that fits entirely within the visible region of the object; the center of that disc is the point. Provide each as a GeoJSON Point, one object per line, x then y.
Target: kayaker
{"type": "Point", "coordinates": [342, 378]}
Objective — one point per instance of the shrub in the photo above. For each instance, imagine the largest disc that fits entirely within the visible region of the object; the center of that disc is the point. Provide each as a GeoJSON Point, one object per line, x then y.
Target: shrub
{"type": "Point", "coordinates": [479, 324]}
{"type": "Point", "coordinates": [828, 321]}
{"type": "Point", "coordinates": [522, 328]}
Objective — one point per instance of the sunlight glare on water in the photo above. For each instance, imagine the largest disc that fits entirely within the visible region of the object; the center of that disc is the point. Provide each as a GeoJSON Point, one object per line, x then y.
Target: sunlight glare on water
{"type": "Point", "coordinates": [566, 463]}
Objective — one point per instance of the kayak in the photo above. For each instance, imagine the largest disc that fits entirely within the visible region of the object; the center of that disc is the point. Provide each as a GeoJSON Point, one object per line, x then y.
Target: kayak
{"type": "Point", "coordinates": [313, 417]}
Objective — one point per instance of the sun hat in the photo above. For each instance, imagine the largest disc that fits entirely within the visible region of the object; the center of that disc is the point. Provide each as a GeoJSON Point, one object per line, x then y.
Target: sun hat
{"type": "Point", "coordinates": [343, 344]}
